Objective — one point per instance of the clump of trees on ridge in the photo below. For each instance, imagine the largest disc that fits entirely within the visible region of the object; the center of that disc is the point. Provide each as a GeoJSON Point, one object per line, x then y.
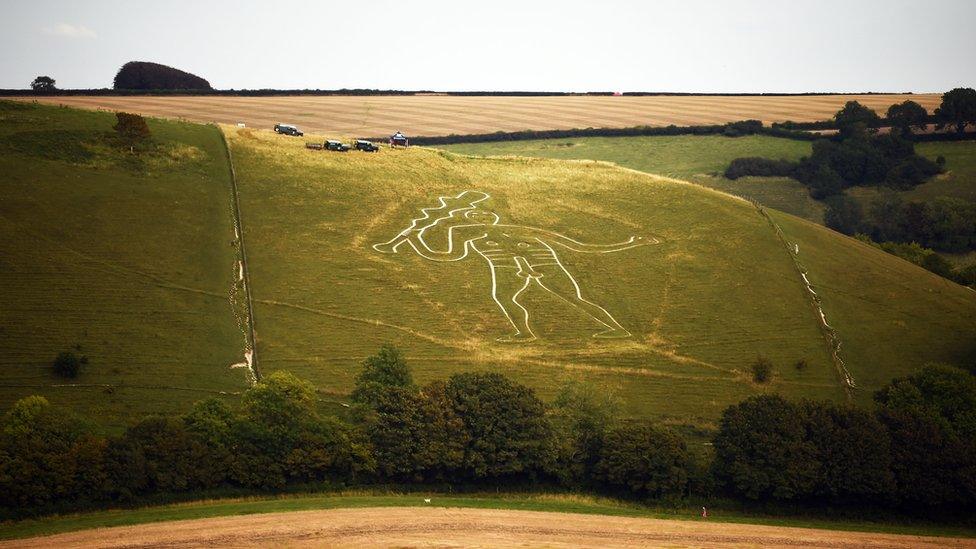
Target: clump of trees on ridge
{"type": "Point", "coordinates": [142, 75]}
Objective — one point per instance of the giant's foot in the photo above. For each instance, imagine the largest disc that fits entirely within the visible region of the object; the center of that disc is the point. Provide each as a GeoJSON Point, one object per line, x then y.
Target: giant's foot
{"type": "Point", "coordinates": [519, 337]}
{"type": "Point", "coordinates": [613, 333]}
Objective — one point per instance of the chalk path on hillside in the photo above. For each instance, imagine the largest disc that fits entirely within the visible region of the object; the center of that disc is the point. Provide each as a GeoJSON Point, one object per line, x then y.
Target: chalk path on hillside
{"type": "Point", "coordinates": [457, 527]}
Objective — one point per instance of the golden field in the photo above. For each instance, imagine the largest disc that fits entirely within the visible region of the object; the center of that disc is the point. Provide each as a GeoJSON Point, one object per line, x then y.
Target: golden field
{"type": "Point", "coordinates": [371, 116]}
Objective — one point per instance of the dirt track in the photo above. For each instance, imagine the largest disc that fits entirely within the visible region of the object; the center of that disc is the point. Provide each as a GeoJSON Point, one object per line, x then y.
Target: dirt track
{"type": "Point", "coordinates": [444, 527]}
{"type": "Point", "coordinates": [371, 116]}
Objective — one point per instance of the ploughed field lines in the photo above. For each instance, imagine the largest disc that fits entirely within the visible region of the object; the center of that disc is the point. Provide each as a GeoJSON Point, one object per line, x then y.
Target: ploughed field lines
{"type": "Point", "coordinates": [349, 116]}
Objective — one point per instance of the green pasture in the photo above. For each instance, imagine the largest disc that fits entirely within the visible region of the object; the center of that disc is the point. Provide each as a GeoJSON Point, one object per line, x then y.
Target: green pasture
{"type": "Point", "coordinates": [124, 258]}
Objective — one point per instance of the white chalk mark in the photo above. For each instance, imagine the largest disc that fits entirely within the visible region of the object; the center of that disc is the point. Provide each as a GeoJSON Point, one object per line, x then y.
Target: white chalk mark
{"type": "Point", "coordinates": [517, 256]}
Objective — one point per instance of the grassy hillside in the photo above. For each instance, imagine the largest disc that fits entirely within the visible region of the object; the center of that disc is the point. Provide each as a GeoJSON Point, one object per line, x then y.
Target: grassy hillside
{"type": "Point", "coordinates": [702, 159]}
{"type": "Point", "coordinates": [698, 158]}
{"type": "Point", "coordinates": [717, 290]}
{"type": "Point", "coordinates": [124, 258]}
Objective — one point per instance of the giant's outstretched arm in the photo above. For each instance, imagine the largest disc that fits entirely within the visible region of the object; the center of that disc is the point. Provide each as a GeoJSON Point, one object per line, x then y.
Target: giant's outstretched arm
{"type": "Point", "coordinates": [578, 246]}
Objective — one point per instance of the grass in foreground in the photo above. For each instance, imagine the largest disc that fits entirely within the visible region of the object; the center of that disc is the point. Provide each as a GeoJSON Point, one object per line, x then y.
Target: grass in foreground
{"type": "Point", "coordinates": [128, 257]}
{"type": "Point", "coordinates": [569, 503]}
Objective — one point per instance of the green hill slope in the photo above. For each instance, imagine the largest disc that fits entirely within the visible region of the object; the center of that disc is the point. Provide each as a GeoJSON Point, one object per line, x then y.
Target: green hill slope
{"type": "Point", "coordinates": [127, 257]}
{"type": "Point", "coordinates": [718, 289]}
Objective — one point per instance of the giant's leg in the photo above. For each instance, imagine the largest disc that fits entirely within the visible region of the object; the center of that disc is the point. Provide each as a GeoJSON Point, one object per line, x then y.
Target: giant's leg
{"type": "Point", "coordinates": [557, 280]}
{"type": "Point", "coordinates": [506, 286]}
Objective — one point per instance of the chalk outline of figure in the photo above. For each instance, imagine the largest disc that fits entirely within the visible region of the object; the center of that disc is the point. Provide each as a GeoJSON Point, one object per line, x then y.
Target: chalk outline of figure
{"type": "Point", "coordinates": [517, 256]}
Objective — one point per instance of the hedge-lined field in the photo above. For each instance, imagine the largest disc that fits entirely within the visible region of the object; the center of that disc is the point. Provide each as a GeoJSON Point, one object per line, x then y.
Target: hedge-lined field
{"type": "Point", "coordinates": [371, 116]}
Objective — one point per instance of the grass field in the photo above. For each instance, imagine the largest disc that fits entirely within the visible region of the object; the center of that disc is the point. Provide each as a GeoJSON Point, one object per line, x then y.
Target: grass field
{"type": "Point", "coordinates": [568, 503]}
{"type": "Point", "coordinates": [701, 159]}
{"type": "Point", "coordinates": [131, 263]}
{"type": "Point", "coordinates": [717, 291]}
{"type": "Point", "coordinates": [135, 263]}
{"type": "Point", "coordinates": [361, 116]}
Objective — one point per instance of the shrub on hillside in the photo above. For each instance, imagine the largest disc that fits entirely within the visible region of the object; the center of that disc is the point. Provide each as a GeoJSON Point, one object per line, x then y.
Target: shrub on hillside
{"type": "Point", "coordinates": [760, 167]}
{"type": "Point", "coordinates": [68, 364]}
{"type": "Point", "coordinates": [131, 129]}
{"type": "Point", "coordinates": [141, 75]}
{"type": "Point", "coordinates": [762, 370]}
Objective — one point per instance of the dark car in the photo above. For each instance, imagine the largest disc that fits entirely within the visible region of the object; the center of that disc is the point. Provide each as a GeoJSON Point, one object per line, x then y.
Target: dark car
{"type": "Point", "coordinates": [333, 145]}
{"type": "Point", "coordinates": [368, 146]}
{"type": "Point", "coordinates": [288, 129]}
{"type": "Point", "coordinates": [399, 140]}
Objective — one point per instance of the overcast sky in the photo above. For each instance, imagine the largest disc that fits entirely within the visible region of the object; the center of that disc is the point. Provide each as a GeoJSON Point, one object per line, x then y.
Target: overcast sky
{"type": "Point", "coordinates": [589, 45]}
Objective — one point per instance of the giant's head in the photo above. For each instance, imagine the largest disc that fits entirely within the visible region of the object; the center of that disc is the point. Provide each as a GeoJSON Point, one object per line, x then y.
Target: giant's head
{"type": "Point", "coordinates": [482, 217]}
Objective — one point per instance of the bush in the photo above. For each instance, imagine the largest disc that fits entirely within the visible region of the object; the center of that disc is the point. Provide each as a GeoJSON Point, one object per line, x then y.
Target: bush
{"type": "Point", "coordinates": [131, 128]}
{"type": "Point", "coordinates": [645, 460]}
{"type": "Point", "coordinates": [761, 167]}
{"type": "Point", "coordinates": [68, 364]}
{"type": "Point", "coordinates": [762, 370]}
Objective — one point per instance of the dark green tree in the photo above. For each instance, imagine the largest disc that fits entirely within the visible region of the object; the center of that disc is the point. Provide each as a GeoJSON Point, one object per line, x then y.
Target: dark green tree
{"type": "Point", "coordinates": [855, 119]}
{"type": "Point", "coordinates": [958, 108]}
{"type": "Point", "coordinates": [843, 214]}
{"type": "Point", "coordinates": [908, 116]}
{"type": "Point", "coordinates": [387, 368]}
{"type": "Point", "coordinates": [579, 417]}
{"type": "Point", "coordinates": [505, 424]}
{"type": "Point", "coordinates": [43, 84]}
{"type": "Point", "coordinates": [417, 435]}
{"type": "Point", "coordinates": [853, 452]}
{"type": "Point", "coordinates": [931, 416]}
{"type": "Point", "coordinates": [646, 460]}
{"type": "Point", "coordinates": [762, 452]}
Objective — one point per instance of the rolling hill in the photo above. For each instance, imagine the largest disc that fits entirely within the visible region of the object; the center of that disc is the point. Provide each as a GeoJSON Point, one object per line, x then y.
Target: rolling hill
{"type": "Point", "coordinates": [134, 261]}
{"type": "Point", "coordinates": [713, 287]}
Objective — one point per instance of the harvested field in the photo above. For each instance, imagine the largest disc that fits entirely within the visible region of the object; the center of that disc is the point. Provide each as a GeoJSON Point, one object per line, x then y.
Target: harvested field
{"type": "Point", "coordinates": [349, 116]}
{"type": "Point", "coordinates": [453, 527]}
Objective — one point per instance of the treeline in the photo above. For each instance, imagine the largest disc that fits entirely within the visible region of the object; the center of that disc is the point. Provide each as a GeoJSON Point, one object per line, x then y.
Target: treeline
{"type": "Point", "coordinates": [143, 75]}
{"type": "Point", "coordinates": [855, 157]}
{"type": "Point", "coordinates": [915, 453]}
{"type": "Point", "coordinates": [731, 129]}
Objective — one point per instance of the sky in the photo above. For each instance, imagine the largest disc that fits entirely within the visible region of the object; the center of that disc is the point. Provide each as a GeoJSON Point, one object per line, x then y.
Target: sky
{"type": "Point", "coordinates": [737, 46]}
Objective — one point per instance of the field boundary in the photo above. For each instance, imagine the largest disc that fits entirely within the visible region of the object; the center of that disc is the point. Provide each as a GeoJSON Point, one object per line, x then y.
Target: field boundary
{"type": "Point", "coordinates": [831, 337]}
{"type": "Point", "coordinates": [250, 351]}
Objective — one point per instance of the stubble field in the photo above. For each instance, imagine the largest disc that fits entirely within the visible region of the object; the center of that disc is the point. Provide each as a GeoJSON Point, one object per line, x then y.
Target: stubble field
{"type": "Point", "coordinates": [371, 116]}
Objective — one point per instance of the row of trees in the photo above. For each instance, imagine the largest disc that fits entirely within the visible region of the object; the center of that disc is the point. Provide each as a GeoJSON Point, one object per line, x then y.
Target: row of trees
{"type": "Point", "coordinates": [916, 452]}
{"type": "Point", "coordinates": [855, 156]}
{"type": "Point", "coordinates": [945, 224]}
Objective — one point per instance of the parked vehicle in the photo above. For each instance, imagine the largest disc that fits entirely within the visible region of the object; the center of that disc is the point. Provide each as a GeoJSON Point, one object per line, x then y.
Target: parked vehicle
{"type": "Point", "coordinates": [333, 145]}
{"type": "Point", "coordinates": [367, 146]}
{"type": "Point", "coordinates": [288, 129]}
{"type": "Point", "coordinates": [314, 146]}
{"type": "Point", "coordinates": [399, 140]}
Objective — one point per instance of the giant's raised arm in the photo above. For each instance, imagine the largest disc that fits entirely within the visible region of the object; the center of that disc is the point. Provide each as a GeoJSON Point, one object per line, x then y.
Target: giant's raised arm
{"type": "Point", "coordinates": [447, 207]}
{"type": "Point", "coordinates": [577, 246]}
